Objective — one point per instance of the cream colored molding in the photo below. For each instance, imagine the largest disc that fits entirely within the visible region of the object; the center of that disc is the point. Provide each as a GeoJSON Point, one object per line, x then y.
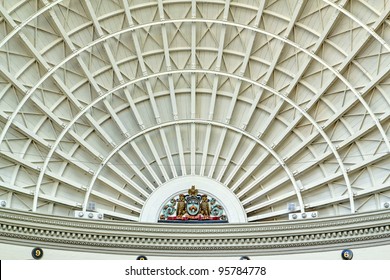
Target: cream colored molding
{"type": "Point", "coordinates": [270, 238]}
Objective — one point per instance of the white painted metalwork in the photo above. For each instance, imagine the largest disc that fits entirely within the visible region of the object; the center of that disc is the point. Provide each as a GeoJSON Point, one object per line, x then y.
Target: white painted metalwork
{"type": "Point", "coordinates": [110, 101]}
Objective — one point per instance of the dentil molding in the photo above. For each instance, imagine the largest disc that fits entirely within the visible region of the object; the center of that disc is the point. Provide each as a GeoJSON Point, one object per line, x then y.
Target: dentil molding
{"type": "Point", "coordinates": [261, 238]}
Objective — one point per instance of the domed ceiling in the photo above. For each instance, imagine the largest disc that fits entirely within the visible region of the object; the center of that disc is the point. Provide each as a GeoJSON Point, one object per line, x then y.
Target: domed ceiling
{"type": "Point", "coordinates": [280, 101]}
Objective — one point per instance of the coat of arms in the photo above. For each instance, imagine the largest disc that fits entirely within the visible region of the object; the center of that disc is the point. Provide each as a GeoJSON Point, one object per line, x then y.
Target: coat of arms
{"type": "Point", "coordinates": [193, 206]}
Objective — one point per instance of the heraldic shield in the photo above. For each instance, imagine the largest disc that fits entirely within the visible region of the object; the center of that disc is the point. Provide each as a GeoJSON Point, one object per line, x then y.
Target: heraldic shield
{"type": "Point", "coordinates": [193, 205]}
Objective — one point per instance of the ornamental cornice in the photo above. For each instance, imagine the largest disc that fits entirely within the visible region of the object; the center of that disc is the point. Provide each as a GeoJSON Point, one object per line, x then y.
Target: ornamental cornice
{"type": "Point", "coordinates": [35, 218]}
{"type": "Point", "coordinates": [367, 229]}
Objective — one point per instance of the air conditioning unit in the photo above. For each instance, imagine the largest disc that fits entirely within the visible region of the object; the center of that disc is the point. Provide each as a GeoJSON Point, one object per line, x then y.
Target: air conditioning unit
{"type": "Point", "coordinates": [89, 215]}
{"type": "Point", "coordinates": [303, 216]}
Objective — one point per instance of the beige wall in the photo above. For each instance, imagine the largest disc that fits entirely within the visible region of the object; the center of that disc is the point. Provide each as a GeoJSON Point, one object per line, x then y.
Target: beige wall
{"type": "Point", "coordinates": [22, 253]}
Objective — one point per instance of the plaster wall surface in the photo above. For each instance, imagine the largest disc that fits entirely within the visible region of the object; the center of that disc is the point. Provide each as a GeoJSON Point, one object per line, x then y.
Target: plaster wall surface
{"type": "Point", "coordinates": [15, 252]}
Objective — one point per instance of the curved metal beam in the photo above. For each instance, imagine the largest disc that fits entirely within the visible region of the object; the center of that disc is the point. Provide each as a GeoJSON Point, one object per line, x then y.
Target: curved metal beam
{"type": "Point", "coordinates": [133, 28]}
{"type": "Point", "coordinates": [307, 116]}
{"type": "Point", "coordinates": [17, 29]}
{"type": "Point", "coordinates": [191, 121]}
{"type": "Point", "coordinates": [172, 94]}
{"type": "Point", "coordinates": [141, 62]}
{"type": "Point", "coordinates": [103, 96]}
{"type": "Point", "coordinates": [276, 56]}
{"type": "Point", "coordinates": [229, 75]}
{"type": "Point", "coordinates": [215, 87]}
{"type": "Point", "coordinates": [77, 52]}
{"type": "Point", "coordinates": [235, 95]}
{"type": "Point", "coordinates": [364, 26]}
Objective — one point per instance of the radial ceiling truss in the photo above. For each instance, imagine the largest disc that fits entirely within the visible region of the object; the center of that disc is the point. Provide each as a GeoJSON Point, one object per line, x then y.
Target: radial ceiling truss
{"type": "Point", "coordinates": [281, 101]}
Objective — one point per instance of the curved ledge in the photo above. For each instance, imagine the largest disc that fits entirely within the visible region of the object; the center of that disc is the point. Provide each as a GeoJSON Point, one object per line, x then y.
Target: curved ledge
{"type": "Point", "coordinates": [270, 238]}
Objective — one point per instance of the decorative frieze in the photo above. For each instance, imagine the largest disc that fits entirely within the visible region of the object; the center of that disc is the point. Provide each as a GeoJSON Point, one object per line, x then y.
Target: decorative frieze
{"type": "Point", "coordinates": [253, 238]}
